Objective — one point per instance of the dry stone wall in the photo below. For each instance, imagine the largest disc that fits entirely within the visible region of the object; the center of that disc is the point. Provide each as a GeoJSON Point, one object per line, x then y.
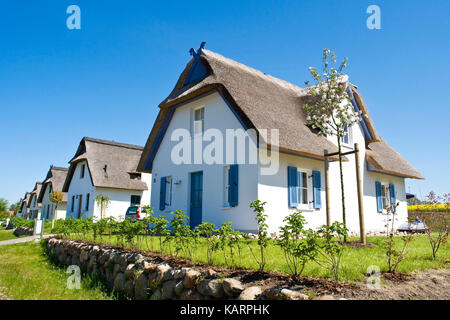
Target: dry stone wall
{"type": "Point", "coordinates": [138, 278]}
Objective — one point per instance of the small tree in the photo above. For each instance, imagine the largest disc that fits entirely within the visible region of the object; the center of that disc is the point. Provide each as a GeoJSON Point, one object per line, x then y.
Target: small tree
{"type": "Point", "coordinates": [263, 240]}
{"type": "Point", "coordinates": [57, 198]}
{"type": "Point", "coordinates": [393, 255]}
{"type": "Point", "coordinates": [437, 227]}
{"type": "Point", "coordinates": [294, 244]}
{"type": "Point", "coordinates": [103, 202]}
{"type": "Point", "coordinates": [329, 108]}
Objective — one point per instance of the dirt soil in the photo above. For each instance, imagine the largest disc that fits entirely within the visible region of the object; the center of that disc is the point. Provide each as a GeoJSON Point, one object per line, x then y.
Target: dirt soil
{"type": "Point", "coordinates": [425, 285]}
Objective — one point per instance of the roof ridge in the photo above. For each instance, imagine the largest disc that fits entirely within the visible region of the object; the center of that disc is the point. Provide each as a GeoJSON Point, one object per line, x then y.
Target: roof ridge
{"type": "Point", "coordinates": [277, 81]}
{"type": "Point", "coordinates": [59, 168]}
{"type": "Point", "coordinates": [113, 143]}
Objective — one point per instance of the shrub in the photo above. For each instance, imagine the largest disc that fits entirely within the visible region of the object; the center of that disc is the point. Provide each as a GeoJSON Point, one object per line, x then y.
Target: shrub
{"type": "Point", "coordinates": [208, 230]}
{"type": "Point", "coordinates": [263, 240]}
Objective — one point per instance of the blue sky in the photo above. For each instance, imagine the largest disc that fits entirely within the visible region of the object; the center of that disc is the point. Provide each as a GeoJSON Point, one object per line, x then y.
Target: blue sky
{"type": "Point", "coordinates": [106, 80]}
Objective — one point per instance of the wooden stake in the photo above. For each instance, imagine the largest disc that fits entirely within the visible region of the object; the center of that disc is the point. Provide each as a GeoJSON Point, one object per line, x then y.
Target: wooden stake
{"type": "Point", "coordinates": [327, 187]}
{"type": "Point", "coordinates": [360, 196]}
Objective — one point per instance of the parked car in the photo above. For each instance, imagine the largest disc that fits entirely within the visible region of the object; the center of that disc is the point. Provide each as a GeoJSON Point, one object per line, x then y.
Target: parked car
{"type": "Point", "coordinates": [417, 226]}
{"type": "Point", "coordinates": [134, 213]}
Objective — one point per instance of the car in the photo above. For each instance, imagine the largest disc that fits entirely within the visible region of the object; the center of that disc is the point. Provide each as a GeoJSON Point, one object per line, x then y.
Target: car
{"type": "Point", "coordinates": [417, 226]}
{"type": "Point", "coordinates": [133, 213]}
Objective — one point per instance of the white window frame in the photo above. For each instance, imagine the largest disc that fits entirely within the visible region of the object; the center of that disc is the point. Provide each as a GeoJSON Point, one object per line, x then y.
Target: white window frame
{"type": "Point", "coordinates": [169, 189]}
{"type": "Point", "coordinates": [193, 121]}
{"type": "Point", "coordinates": [348, 136]}
{"type": "Point", "coordinates": [309, 190]}
{"type": "Point", "coordinates": [226, 186]}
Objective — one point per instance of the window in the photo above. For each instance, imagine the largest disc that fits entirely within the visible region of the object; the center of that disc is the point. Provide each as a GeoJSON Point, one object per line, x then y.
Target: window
{"type": "Point", "coordinates": [135, 200]}
{"type": "Point", "coordinates": [348, 137]}
{"type": "Point", "coordinates": [168, 200]}
{"type": "Point", "coordinates": [303, 187]}
{"type": "Point", "coordinates": [87, 201]}
{"type": "Point", "coordinates": [50, 189]}
{"type": "Point", "coordinates": [226, 186]}
{"type": "Point", "coordinates": [198, 121]}
{"type": "Point", "coordinates": [48, 211]}
{"type": "Point", "coordinates": [83, 167]}
{"type": "Point", "coordinates": [385, 195]}
{"type": "Point", "coordinates": [73, 203]}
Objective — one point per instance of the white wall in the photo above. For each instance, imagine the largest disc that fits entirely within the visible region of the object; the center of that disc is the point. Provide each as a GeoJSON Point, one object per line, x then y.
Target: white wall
{"type": "Point", "coordinates": [217, 116]}
{"type": "Point", "coordinates": [272, 189]}
{"type": "Point", "coordinates": [80, 186]}
{"type": "Point", "coordinates": [35, 209]}
{"type": "Point", "coordinates": [120, 199]}
{"type": "Point", "coordinates": [48, 207]}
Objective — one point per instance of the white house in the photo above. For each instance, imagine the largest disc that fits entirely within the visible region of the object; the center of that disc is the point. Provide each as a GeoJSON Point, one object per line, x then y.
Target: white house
{"type": "Point", "coordinates": [23, 211]}
{"type": "Point", "coordinates": [215, 95]}
{"type": "Point", "coordinates": [33, 204]}
{"type": "Point", "coordinates": [107, 168]}
{"type": "Point", "coordinates": [54, 181]}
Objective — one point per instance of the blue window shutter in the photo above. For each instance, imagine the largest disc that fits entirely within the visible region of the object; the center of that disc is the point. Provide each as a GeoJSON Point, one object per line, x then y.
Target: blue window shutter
{"type": "Point", "coordinates": [293, 186]}
{"type": "Point", "coordinates": [379, 200]}
{"type": "Point", "coordinates": [162, 194]}
{"type": "Point", "coordinates": [317, 186]}
{"type": "Point", "coordinates": [233, 190]}
{"type": "Point", "coordinates": [392, 195]}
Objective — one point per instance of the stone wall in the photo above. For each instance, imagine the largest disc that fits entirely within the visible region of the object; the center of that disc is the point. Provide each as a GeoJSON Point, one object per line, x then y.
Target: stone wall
{"type": "Point", "coordinates": [138, 278]}
{"type": "Point", "coordinates": [23, 231]}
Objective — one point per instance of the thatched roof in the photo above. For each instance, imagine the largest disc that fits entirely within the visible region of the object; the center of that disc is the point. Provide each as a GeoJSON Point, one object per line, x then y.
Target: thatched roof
{"type": "Point", "coordinates": [34, 193]}
{"type": "Point", "coordinates": [259, 100]}
{"type": "Point", "coordinates": [110, 164]}
{"type": "Point", "coordinates": [25, 200]}
{"type": "Point", "coordinates": [381, 157]}
{"type": "Point", "coordinates": [55, 177]}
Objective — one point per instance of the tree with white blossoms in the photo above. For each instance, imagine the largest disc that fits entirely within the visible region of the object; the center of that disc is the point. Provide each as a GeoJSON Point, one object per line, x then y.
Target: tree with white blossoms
{"type": "Point", "coordinates": [329, 108]}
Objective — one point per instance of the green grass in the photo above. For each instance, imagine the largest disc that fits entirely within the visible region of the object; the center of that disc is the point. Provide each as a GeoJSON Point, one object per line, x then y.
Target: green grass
{"type": "Point", "coordinates": [355, 261]}
{"type": "Point", "coordinates": [7, 235]}
{"type": "Point", "coordinates": [27, 274]}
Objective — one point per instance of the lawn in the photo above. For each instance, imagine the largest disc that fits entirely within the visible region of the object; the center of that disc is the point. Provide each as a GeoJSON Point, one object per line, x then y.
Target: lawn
{"type": "Point", "coordinates": [355, 261]}
{"type": "Point", "coordinates": [7, 235]}
{"type": "Point", "coordinates": [27, 274]}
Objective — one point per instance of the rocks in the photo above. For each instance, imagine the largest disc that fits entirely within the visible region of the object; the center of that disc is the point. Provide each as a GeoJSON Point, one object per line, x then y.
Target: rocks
{"type": "Point", "coordinates": [212, 288]}
{"type": "Point", "coordinates": [168, 290]}
{"type": "Point", "coordinates": [141, 287]}
{"type": "Point", "coordinates": [251, 293]}
{"type": "Point", "coordinates": [129, 289]}
{"type": "Point", "coordinates": [119, 282]}
{"type": "Point", "coordinates": [116, 270]}
{"type": "Point", "coordinates": [190, 294]}
{"type": "Point", "coordinates": [130, 271]}
{"type": "Point", "coordinates": [191, 278]}
{"type": "Point", "coordinates": [179, 287]}
{"type": "Point", "coordinates": [232, 287]}
{"type": "Point", "coordinates": [293, 295]}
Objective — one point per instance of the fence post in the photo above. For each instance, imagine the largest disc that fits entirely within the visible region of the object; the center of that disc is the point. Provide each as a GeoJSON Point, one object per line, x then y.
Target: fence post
{"type": "Point", "coordinates": [362, 230]}
{"type": "Point", "coordinates": [327, 187]}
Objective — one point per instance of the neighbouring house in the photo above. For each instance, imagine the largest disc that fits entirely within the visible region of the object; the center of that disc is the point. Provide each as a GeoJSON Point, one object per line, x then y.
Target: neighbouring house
{"type": "Point", "coordinates": [34, 206]}
{"type": "Point", "coordinates": [215, 95]}
{"type": "Point", "coordinates": [108, 168]}
{"type": "Point", "coordinates": [54, 181]}
{"type": "Point", "coordinates": [23, 210]}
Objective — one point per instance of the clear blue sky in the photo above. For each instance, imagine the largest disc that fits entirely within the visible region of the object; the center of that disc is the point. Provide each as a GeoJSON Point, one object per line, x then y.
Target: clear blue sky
{"type": "Point", "coordinates": [106, 80]}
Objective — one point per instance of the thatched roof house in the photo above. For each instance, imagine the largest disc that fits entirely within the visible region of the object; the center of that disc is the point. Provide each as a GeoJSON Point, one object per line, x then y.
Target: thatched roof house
{"type": "Point", "coordinates": [261, 101]}
{"type": "Point", "coordinates": [34, 194]}
{"type": "Point", "coordinates": [110, 164]}
{"type": "Point", "coordinates": [55, 178]}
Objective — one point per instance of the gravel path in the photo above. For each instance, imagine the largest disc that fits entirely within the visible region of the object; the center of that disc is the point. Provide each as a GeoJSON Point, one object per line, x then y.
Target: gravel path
{"type": "Point", "coordinates": [24, 239]}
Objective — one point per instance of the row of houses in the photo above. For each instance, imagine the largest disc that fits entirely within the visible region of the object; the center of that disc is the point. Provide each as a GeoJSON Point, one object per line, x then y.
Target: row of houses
{"type": "Point", "coordinates": [99, 167]}
{"type": "Point", "coordinates": [217, 94]}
